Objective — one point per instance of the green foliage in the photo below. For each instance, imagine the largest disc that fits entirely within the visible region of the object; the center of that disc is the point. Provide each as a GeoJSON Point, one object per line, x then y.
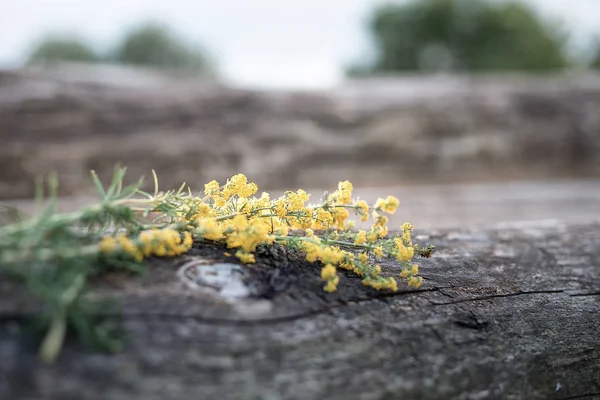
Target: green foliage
{"type": "Point", "coordinates": [149, 45]}
{"type": "Point", "coordinates": [65, 49]}
{"type": "Point", "coordinates": [55, 255]}
{"type": "Point", "coordinates": [465, 35]}
{"type": "Point", "coordinates": [594, 60]}
{"type": "Point", "coordinates": [154, 45]}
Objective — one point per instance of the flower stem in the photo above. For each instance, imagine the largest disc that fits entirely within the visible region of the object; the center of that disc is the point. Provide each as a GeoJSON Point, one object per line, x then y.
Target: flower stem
{"type": "Point", "coordinates": [55, 337]}
{"type": "Point", "coordinates": [53, 341]}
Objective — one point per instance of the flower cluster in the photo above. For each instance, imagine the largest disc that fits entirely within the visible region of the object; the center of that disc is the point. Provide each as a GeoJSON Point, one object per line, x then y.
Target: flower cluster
{"type": "Point", "coordinates": [152, 242]}
{"type": "Point", "coordinates": [231, 214]}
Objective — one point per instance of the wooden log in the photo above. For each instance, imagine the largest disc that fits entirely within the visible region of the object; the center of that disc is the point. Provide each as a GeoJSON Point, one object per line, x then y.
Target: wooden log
{"type": "Point", "coordinates": [507, 313]}
{"type": "Point", "coordinates": [375, 132]}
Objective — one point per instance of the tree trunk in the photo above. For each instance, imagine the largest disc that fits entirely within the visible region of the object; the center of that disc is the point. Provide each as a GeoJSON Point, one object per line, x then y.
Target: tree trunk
{"type": "Point", "coordinates": [506, 313]}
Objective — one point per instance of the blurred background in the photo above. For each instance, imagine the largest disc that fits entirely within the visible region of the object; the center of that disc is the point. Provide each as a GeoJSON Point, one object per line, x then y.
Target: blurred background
{"type": "Point", "coordinates": [472, 112]}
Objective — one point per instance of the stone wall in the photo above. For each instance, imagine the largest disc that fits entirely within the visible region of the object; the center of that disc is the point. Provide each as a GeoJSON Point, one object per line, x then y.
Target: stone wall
{"type": "Point", "coordinates": [385, 131]}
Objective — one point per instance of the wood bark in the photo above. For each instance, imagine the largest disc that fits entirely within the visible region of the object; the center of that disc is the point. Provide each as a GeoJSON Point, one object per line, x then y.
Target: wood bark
{"type": "Point", "coordinates": [376, 132]}
{"type": "Point", "coordinates": [511, 313]}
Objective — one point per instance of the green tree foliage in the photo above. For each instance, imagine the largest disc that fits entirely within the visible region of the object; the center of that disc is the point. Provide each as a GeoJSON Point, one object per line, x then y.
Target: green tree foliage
{"type": "Point", "coordinates": [465, 35]}
{"type": "Point", "coordinates": [594, 60]}
{"type": "Point", "coordinates": [155, 46]}
{"type": "Point", "coordinates": [66, 49]}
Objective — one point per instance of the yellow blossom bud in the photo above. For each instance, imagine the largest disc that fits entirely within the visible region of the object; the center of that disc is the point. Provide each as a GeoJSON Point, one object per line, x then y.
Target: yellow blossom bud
{"type": "Point", "coordinates": [378, 251]}
{"type": "Point", "coordinates": [363, 209]}
{"type": "Point", "coordinates": [377, 269]}
{"type": "Point", "coordinates": [245, 257]}
{"type": "Point", "coordinates": [328, 272]}
{"type": "Point", "coordinates": [415, 281]}
{"type": "Point", "coordinates": [363, 258]}
{"type": "Point", "coordinates": [211, 187]}
{"type": "Point", "coordinates": [361, 238]}
{"type": "Point", "coordinates": [331, 285]}
{"type": "Point", "coordinates": [108, 244]}
{"type": "Point", "coordinates": [391, 203]}
{"type": "Point", "coordinates": [415, 269]}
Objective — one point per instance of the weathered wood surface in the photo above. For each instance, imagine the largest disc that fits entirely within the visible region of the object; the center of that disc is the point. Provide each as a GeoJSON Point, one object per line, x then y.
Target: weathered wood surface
{"type": "Point", "coordinates": [451, 205]}
{"type": "Point", "coordinates": [510, 313]}
{"type": "Point", "coordinates": [374, 132]}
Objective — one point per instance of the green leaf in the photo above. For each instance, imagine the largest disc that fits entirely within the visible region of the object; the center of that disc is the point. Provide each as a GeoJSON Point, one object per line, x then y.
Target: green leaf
{"type": "Point", "coordinates": [98, 184]}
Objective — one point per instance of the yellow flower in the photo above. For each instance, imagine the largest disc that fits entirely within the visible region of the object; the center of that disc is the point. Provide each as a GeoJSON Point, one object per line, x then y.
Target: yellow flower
{"type": "Point", "coordinates": [239, 222]}
{"type": "Point", "coordinates": [363, 209]}
{"type": "Point", "coordinates": [263, 201]}
{"type": "Point", "coordinates": [361, 238]}
{"type": "Point", "coordinates": [363, 258]}
{"type": "Point", "coordinates": [163, 242]}
{"type": "Point", "coordinates": [211, 187]}
{"type": "Point", "coordinates": [381, 284]}
{"type": "Point", "coordinates": [210, 229]}
{"type": "Point", "coordinates": [411, 275]}
{"type": "Point", "coordinates": [282, 230]}
{"type": "Point", "coordinates": [247, 190]}
{"type": "Point", "coordinates": [323, 219]}
{"type": "Point", "coordinates": [296, 200]}
{"type": "Point", "coordinates": [160, 250]}
{"type": "Point", "coordinates": [239, 185]}
{"type": "Point", "coordinates": [230, 213]}
{"type": "Point", "coordinates": [388, 205]}
{"type": "Point", "coordinates": [407, 226]}
{"type": "Point", "coordinates": [376, 269]}
{"type": "Point", "coordinates": [195, 210]}
{"type": "Point", "coordinates": [108, 244]}
{"type": "Point", "coordinates": [245, 257]}
{"type": "Point", "coordinates": [280, 209]}
{"type": "Point", "coordinates": [187, 239]}
{"type": "Point", "coordinates": [328, 272]}
{"type": "Point", "coordinates": [330, 254]}
{"type": "Point", "coordinates": [415, 281]}
{"type": "Point", "coordinates": [378, 251]}
{"type": "Point", "coordinates": [345, 192]}
{"type": "Point", "coordinates": [372, 236]}
{"type": "Point", "coordinates": [339, 216]}
{"type": "Point", "coordinates": [130, 248]}
{"type": "Point", "coordinates": [406, 238]}
{"type": "Point", "coordinates": [391, 204]}
{"type": "Point", "coordinates": [404, 253]}
{"type": "Point", "coordinates": [146, 239]}
{"type": "Point", "coordinates": [227, 192]}
{"type": "Point", "coordinates": [331, 285]}
{"type": "Point", "coordinates": [310, 249]}
{"type": "Point", "coordinates": [220, 201]}
{"type": "Point", "coordinates": [381, 221]}
{"type": "Point", "coordinates": [406, 233]}
{"type": "Point", "coordinates": [415, 269]}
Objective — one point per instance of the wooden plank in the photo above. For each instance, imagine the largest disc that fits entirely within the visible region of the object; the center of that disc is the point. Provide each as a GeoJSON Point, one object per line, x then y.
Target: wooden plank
{"type": "Point", "coordinates": [505, 313]}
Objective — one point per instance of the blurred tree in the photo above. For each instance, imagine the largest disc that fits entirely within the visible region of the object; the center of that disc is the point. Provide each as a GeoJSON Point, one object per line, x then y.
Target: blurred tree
{"type": "Point", "coordinates": [464, 35]}
{"type": "Point", "coordinates": [63, 48]}
{"type": "Point", "coordinates": [595, 54]}
{"type": "Point", "coordinates": [154, 45]}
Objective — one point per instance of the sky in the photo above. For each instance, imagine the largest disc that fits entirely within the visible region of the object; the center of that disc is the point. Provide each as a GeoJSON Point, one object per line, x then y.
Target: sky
{"type": "Point", "coordinates": [256, 43]}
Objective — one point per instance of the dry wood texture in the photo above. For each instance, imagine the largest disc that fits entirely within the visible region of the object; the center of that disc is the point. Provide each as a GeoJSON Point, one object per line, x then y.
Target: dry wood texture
{"type": "Point", "coordinates": [511, 313]}
{"type": "Point", "coordinates": [372, 132]}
